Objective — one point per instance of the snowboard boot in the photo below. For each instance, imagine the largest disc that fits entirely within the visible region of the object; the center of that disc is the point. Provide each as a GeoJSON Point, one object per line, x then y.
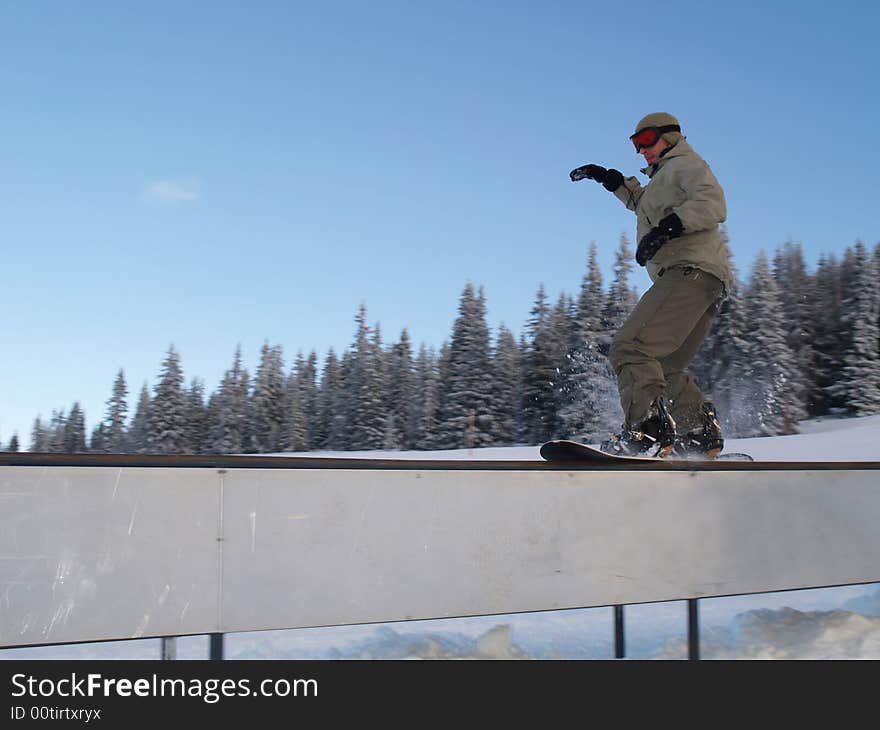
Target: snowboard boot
{"type": "Point", "coordinates": [655, 436]}
{"type": "Point", "coordinates": [705, 440]}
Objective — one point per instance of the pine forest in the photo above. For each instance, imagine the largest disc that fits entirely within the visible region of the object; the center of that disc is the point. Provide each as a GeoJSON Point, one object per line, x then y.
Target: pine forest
{"type": "Point", "coordinates": [788, 344]}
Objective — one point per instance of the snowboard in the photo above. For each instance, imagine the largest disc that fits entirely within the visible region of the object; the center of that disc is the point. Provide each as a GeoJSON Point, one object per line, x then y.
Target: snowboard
{"type": "Point", "coordinates": [570, 451]}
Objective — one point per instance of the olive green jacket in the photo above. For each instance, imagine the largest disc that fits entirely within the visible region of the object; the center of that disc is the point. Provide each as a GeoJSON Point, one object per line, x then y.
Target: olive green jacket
{"type": "Point", "coordinates": [682, 183]}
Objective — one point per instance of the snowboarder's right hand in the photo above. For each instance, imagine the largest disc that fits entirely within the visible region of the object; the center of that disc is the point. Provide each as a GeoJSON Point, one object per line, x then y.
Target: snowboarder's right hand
{"type": "Point", "coordinates": [610, 179]}
{"type": "Point", "coordinates": [593, 172]}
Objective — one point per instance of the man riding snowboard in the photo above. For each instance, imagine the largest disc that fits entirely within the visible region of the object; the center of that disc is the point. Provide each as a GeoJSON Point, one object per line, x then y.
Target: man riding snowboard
{"type": "Point", "coordinates": [678, 214]}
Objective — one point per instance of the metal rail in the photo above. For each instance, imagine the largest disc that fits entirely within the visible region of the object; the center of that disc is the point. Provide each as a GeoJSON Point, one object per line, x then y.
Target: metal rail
{"type": "Point", "coordinates": [190, 461]}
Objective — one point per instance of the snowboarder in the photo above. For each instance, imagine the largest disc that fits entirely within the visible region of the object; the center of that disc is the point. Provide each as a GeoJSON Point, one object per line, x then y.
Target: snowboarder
{"type": "Point", "coordinates": [678, 214]}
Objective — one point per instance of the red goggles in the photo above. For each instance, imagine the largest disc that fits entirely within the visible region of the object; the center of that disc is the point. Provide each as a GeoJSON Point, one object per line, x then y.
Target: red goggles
{"type": "Point", "coordinates": [648, 136]}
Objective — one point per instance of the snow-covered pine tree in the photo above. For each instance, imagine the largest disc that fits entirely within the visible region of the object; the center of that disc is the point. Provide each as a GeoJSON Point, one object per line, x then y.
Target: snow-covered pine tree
{"type": "Point", "coordinates": [308, 385]}
{"type": "Point", "coordinates": [622, 297]}
{"type": "Point", "coordinates": [829, 338]}
{"type": "Point", "coordinates": [791, 276]}
{"type": "Point", "coordinates": [377, 407]}
{"type": "Point", "coordinates": [39, 436]}
{"type": "Point", "coordinates": [401, 395]}
{"type": "Point", "coordinates": [835, 392]}
{"type": "Point", "coordinates": [859, 383]}
{"type": "Point", "coordinates": [168, 418]}
{"type": "Point", "coordinates": [57, 429]}
{"type": "Point", "coordinates": [465, 417]}
{"type": "Point", "coordinates": [196, 438]}
{"type": "Point", "coordinates": [75, 431]}
{"type": "Point", "coordinates": [13, 443]}
{"type": "Point", "coordinates": [560, 333]}
{"type": "Point", "coordinates": [769, 360]}
{"type": "Point", "coordinates": [588, 403]}
{"type": "Point", "coordinates": [114, 426]}
{"type": "Point", "coordinates": [212, 418]}
{"type": "Point", "coordinates": [506, 388]}
{"type": "Point", "coordinates": [442, 368]}
{"type": "Point", "coordinates": [228, 410]}
{"type": "Point", "coordinates": [294, 431]}
{"type": "Point", "coordinates": [139, 432]}
{"type": "Point", "coordinates": [344, 410]}
{"type": "Point", "coordinates": [266, 404]}
{"type": "Point", "coordinates": [367, 427]}
{"type": "Point", "coordinates": [426, 379]}
{"type": "Point", "coordinates": [98, 440]}
{"type": "Point", "coordinates": [539, 373]}
{"type": "Point", "coordinates": [327, 431]}
{"type": "Point", "coordinates": [524, 434]}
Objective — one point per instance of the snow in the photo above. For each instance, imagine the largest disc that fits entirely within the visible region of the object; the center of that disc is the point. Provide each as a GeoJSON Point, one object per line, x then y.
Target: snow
{"type": "Point", "coordinates": [821, 439]}
{"type": "Point", "coordinates": [830, 623]}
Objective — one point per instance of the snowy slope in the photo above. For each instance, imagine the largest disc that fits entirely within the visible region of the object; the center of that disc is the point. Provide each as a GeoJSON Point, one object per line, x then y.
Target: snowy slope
{"type": "Point", "coordinates": [827, 439]}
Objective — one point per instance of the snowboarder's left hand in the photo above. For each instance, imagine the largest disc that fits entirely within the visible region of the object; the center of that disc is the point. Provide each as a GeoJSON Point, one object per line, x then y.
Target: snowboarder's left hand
{"type": "Point", "coordinates": [670, 227]}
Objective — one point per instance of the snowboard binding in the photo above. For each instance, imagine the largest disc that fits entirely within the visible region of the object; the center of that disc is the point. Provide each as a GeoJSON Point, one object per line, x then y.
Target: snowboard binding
{"type": "Point", "coordinates": [653, 437]}
{"type": "Point", "coordinates": [705, 441]}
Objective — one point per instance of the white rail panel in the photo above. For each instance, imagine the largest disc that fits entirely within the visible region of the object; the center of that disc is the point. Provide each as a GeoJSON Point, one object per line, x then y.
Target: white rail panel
{"type": "Point", "coordinates": [100, 553]}
{"type": "Point", "coordinates": [89, 553]}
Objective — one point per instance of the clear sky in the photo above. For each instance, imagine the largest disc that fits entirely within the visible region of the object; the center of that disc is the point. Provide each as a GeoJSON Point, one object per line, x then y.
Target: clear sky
{"type": "Point", "coordinates": [211, 174]}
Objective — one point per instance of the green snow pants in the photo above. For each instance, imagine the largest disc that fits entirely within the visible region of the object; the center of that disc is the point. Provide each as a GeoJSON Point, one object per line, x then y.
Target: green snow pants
{"type": "Point", "coordinates": [654, 346]}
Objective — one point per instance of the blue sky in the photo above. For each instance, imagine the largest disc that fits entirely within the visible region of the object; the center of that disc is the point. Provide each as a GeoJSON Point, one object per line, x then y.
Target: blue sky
{"type": "Point", "coordinates": [224, 173]}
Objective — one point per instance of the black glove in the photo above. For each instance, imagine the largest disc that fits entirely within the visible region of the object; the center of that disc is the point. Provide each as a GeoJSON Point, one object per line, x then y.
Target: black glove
{"type": "Point", "coordinates": [670, 227]}
{"type": "Point", "coordinates": [611, 179]}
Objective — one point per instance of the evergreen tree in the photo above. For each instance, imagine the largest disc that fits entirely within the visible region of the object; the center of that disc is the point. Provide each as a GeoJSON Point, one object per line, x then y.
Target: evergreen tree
{"type": "Point", "coordinates": [377, 409]}
{"type": "Point", "coordinates": [168, 417]}
{"type": "Point", "coordinates": [13, 443]}
{"type": "Point", "coordinates": [345, 404]}
{"type": "Point", "coordinates": [794, 289]}
{"type": "Point", "coordinates": [830, 336]}
{"type": "Point", "coordinates": [507, 387]}
{"type": "Point", "coordinates": [40, 439]}
{"type": "Point", "coordinates": [365, 388]}
{"type": "Point", "coordinates": [266, 406]}
{"type": "Point", "coordinates": [401, 395]}
{"type": "Point", "coordinates": [57, 431]}
{"type": "Point", "coordinates": [560, 333]}
{"type": "Point", "coordinates": [329, 429]}
{"type": "Point", "coordinates": [437, 437]}
{"type": "Point", "coordinates": [539, 372]}
{"type": "Point", "coordinates": [228, 410]}
{"type": "Point", "coordinates": [769, 358]}
{"type": "Point", "coordinates": [98, 440]}
{"type": "Point", "coordinates": [139, 432]}
{"type": "Point", "coordinates": [301, 414]}
{"type": "Point", "coordinates": [588, 402]}
{"type": "Point", "coordinates": [295, 431]}
{"type": "Point", "coordinates": [307, 377]}
{"type": "Point", "coordinates": [196, 438]}
{"type": "Point", "coordinates": [622, 297]}
{"type": "Point", "coordinates": [465, 417]}
{"type": "Point", "coordinates": [113, 432]}
{"type": "Point", "coordinates": [859, 384]}
{"type": "Point", "coordinates": [75, 431]}
{"type": "Point", "coordinates": [427, 384]}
